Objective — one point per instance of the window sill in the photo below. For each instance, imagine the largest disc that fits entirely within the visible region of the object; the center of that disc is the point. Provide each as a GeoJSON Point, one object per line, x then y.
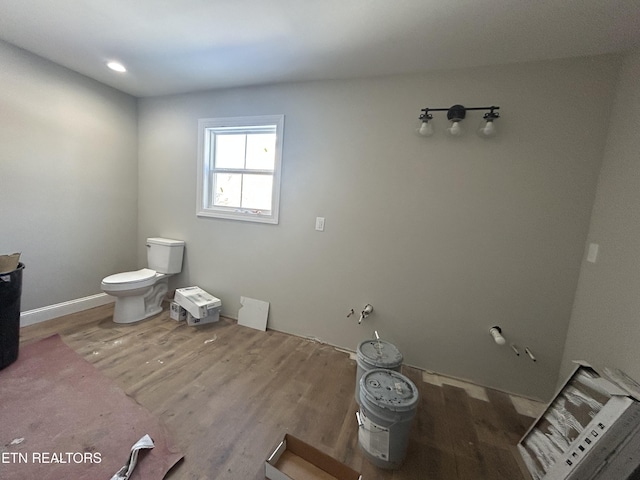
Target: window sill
{"type": "Point", "coordinates": [240, 215]}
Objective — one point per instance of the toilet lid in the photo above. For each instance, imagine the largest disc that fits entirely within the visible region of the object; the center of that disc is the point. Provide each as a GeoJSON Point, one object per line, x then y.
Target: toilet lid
{"type": "Point", "coordinates": [130, 277]}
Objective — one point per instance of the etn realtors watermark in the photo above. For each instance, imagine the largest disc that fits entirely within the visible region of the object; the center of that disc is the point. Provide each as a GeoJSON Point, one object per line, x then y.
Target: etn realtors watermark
{"type": "Point", "coordinates": [50, 457]}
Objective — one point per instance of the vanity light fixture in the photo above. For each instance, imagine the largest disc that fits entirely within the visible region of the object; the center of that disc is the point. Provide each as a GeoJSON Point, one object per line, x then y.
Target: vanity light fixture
{"type": "Point", "coordinates": [456, 114]}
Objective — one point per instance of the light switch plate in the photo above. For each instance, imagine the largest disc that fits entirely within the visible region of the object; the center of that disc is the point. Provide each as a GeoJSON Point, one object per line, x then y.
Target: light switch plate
{"type": "Point", "coordinates": [320, 224]}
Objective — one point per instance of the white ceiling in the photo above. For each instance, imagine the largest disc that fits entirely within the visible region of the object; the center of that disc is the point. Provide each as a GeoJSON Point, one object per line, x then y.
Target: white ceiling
{"type": "Point", "coordinates": [173, 46]}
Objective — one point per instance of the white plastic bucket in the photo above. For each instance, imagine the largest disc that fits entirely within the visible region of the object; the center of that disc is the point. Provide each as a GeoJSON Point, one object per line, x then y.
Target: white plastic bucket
{"type": "Point", "coordinates": [388, 403]}
{"type": "Point", "coordinates": [376, 354]}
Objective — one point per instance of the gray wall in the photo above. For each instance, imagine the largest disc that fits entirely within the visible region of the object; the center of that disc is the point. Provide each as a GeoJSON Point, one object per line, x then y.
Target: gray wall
{"type": "Point", "coordinates": [445, 237]}
{"type": "Point", "coordinates": [605, 327]}
{"type": "Point", "coordinates": [68, 178]}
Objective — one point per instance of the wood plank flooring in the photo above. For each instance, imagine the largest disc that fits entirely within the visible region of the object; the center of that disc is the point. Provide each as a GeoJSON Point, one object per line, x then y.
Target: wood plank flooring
{"type": "Point", "coordinates": [228, 393]}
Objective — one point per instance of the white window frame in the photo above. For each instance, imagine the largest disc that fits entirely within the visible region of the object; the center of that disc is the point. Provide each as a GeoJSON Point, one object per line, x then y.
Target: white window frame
{"type": "Point", "coordinates": [205, 207]}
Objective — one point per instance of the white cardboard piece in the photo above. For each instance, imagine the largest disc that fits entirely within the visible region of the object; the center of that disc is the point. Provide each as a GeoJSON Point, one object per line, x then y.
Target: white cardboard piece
{"type": "Point", "coordinates": [253, 313]}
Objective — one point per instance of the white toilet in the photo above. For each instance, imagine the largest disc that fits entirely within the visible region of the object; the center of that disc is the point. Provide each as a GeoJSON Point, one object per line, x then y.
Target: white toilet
{"type": "Point", "coordinates": [139, 294]}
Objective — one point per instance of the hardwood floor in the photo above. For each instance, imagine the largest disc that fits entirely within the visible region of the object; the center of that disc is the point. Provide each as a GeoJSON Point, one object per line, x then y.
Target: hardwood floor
{"type": "Point", "coordinates": [228, 393]}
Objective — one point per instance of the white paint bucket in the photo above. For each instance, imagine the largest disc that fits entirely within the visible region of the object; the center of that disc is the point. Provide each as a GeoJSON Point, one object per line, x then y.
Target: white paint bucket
{"type": "Point", "coordinates": [388, 403]}
{"type": "Point", "coordinates": [376, 354]}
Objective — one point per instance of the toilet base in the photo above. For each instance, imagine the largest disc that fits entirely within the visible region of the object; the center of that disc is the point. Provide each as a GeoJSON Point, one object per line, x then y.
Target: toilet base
{"type": "Point", "coordinates": [134, 308]}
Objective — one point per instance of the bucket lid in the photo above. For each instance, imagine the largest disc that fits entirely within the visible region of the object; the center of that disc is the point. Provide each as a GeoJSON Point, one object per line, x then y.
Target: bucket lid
{"type": "Point", "coordinates": [379, 353]}
{"type": "Point", "coordinates": [389, 389]}
{"type": "Point", "coordinates": [130, 277]}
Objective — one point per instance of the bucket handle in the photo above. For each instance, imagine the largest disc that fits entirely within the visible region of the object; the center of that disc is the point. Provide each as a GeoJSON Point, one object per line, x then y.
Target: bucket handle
{"type": "Point", "coordinates": [359, 419]}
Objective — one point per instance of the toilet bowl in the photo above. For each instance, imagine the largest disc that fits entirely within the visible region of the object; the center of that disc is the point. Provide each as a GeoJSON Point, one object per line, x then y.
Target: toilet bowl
{"type": "Point", "coordinates": [139, 293]}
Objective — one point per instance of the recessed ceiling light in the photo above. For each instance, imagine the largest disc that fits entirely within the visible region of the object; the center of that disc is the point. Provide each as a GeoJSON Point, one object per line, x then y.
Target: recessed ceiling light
{"type": "Point", "coordinates": [117, 67]}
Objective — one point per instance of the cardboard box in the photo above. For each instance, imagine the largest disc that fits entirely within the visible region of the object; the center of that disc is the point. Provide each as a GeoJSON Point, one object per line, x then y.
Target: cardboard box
{"type": "Point", "coordinates": [177, 312]}
{"type": "Point", "coordinates": [294, 459]}
{"type": "Point", "coordinates": [211, 318]}
{"type": "Point", "coordinates": [197, 302]}
{"type": "Point", "coordinates": [8, 263]}
{"type": "Point", "coordinates": [590, 430]}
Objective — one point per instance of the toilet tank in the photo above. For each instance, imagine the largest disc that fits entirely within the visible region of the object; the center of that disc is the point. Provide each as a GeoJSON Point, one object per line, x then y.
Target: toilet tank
{"type": "Point", "coordinates": [165, 255]}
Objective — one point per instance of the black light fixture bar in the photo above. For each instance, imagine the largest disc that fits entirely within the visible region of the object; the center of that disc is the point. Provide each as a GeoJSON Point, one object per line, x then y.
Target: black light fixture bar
{"type": "Point", "coordinates": [465, 108]}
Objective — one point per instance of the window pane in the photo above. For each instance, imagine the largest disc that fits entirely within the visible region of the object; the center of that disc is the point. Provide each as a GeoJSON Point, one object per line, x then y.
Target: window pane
{"type": "Point", "coordinates": [261, 149]}
{"type": "Point", "coordinates": [256, 192]}
{"type": "Point", "coordinates": [229, 151]}
{"type": "Point", "coordinates": [227, 190]}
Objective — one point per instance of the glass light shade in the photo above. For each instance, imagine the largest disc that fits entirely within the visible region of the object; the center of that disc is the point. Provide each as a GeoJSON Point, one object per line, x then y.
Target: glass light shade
{"type": "Point", "coordinates": [487, 129]}
{"type": "Point", "coordinates": [455, 130]}
{"type": "Point", "coordinates": [426, 129]}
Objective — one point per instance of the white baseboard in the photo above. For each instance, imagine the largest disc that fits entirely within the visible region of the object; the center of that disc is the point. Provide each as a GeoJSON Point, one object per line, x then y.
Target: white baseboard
{"type": "Point", "coordinates": [38, 315]}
